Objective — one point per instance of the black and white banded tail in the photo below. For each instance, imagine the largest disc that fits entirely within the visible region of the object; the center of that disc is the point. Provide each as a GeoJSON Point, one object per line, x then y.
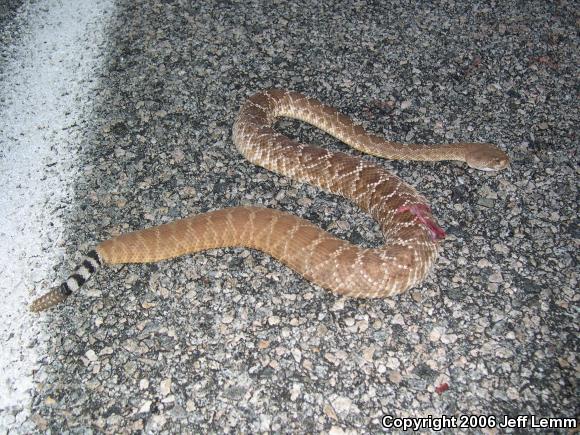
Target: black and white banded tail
{"type": "Point", "coordinates": [89, 265]}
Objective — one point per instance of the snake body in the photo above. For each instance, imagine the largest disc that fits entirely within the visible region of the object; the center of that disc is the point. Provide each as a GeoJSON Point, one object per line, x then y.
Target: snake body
{"type": "Point", "coordinates": [411, 233]}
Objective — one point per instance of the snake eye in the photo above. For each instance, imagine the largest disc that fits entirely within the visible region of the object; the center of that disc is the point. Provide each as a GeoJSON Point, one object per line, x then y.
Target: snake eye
{"type": "Point", "coordinates": [502, 162]}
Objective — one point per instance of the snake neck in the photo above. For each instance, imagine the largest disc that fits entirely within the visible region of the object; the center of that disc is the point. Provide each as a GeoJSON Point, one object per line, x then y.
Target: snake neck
{"type": "Point", "coordinates": [266, 107]}
{"type": "Point", "coordinates": [418, 152]}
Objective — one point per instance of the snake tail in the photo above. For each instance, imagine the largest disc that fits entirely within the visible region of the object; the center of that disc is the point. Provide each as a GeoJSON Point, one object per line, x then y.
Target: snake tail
{"type": "Point", "coordinates": [89, 265]}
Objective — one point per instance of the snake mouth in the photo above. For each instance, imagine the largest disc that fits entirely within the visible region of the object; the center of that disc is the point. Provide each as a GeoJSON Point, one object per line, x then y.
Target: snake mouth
{"type": "Point", "coordinates": [495, 165]}
{"type": "Point", "coordinates": [490, 169]}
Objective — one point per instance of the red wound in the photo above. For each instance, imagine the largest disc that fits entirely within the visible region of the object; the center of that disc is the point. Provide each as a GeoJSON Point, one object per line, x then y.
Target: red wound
{"type": "Point", "coordinates": [420, 211]}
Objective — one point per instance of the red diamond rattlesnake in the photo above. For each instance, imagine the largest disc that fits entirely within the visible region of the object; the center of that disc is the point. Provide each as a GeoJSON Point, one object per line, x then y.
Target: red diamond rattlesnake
{"type": "Point", "coordinates": [410, 231]}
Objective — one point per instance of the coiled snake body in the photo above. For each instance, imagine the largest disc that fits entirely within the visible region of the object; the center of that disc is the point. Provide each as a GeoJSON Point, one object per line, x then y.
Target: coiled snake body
{"type": "Point", "coordinates": [410, 230]}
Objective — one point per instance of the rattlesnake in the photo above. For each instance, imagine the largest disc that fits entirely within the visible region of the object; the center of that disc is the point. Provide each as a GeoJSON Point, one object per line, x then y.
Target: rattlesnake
{"type": "Point", "coordinates": [410, 230]}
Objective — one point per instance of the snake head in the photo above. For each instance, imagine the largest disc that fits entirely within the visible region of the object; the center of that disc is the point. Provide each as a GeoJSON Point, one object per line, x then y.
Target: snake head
{"type": "Point", "coordinates": [486, 157]}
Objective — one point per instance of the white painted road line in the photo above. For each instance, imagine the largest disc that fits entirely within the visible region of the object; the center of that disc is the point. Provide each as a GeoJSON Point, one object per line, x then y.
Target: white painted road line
{"type": "Point", "coordinates": [46, 92]}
